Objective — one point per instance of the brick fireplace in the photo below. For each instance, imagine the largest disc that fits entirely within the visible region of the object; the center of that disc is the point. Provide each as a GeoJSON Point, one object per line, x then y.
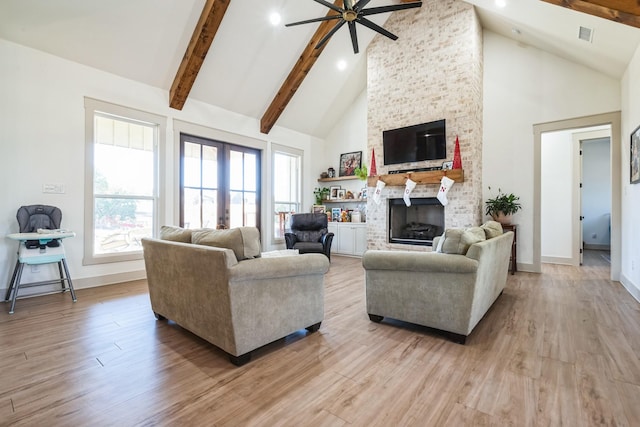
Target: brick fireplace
{"type": "Point", "coordinates": [417, 224]}
{"type": "Point", "coordinates": [432, 72]}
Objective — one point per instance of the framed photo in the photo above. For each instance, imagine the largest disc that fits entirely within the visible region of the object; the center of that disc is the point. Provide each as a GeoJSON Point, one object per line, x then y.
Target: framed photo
{"type": "Point", "coordinates": [363, 193]}
{"type": "Point", "coordinates": [634, 159]}
{"type": "Point", "coordinates": [336, 213]}
{"type": "Point", "coordinates": [447, 166]}
{"type": "Point", "coordinates": [349, 162]}
{"type": "Point", "coordinates": [342, 194]}
{"type": "Point", "coordinates": [319, 209]}
{"type": "Point", "coordinates": [333, 192]}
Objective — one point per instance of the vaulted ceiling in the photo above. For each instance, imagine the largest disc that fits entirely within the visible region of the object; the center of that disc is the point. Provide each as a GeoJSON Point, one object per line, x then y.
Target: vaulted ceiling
{"type": "Point", "coordinates": [226, 53]}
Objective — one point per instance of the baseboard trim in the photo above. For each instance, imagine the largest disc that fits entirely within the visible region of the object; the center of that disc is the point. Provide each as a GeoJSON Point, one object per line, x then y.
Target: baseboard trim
{"type": "Point", "coordinates": [630, 287]}
{"type": "Point", "coordinates": [594, 247]}
{"type": "Point", "coordinates": [109, 279]}
{"type": "Point", "coordinates": [526, 268]}
{"type": "Point", "coordinates": [556, 260]}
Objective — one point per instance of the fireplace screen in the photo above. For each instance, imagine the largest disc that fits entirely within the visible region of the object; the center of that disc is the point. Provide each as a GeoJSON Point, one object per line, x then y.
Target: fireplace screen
{"type": "Point", "coordinates": [417, 224]}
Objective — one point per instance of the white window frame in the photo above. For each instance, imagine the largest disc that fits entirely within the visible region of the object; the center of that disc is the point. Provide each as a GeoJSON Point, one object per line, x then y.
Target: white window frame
{"type": "Point", "coordinates": [93, 107]}
{"type": "Point", "coordinates": [289, 151]}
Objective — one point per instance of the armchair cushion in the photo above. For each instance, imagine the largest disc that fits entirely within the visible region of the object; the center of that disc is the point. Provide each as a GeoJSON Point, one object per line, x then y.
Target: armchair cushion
{"type": "Point", "coordinates": [492, 229]}
{"type": "Point", "coordinates": [458, 241]}
{"type": "Point", "coordinates": [175, 234]}
{"type": "Point", "coordinates": [243, 241]}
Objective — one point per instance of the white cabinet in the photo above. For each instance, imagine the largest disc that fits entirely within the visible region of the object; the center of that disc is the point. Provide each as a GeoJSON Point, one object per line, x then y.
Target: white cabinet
{"type": "Point", "coordinates": [350, 238]}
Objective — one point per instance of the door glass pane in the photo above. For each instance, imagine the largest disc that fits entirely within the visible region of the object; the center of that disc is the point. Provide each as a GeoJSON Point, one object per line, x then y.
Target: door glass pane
{"type": "Point", "coordinates": [209, 167]}
{"type": "Point", "coordinates": [250, 210]}
{"type": "Point", "coordinates": [191, 208]}
{"type": "Point", "coordinates": [120, 224]}
{"type": "Point", "coordinates": [191, 165]}
{"type": "Point", "coordinates": [236, 170]}
{"type": "Point", "coordinates": [250, 170]}
{"type": "Point", "coordinates": [209, 208]}
{"type": "Point", "coordinates": [236, 209]}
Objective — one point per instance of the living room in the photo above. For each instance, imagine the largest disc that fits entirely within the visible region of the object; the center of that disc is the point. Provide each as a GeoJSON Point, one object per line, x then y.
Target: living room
{"type": "Point", "coordinates": [516, 86]}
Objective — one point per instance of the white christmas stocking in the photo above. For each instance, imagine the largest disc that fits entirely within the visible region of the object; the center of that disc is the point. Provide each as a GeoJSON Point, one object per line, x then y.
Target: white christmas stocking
{"type": "Point", "coordinates": [445, 185]}
{"type": "Point", "coordinates": [407, 191]}
{"type": "Point", "coordinates": [378, 191]}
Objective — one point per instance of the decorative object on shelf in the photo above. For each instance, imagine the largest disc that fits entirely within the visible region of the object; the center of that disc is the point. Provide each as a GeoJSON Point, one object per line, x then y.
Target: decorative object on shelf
{"type": "Point", "coordinates": [634, 166]}
{"type": "Point", "coordinates": [408, 188]}
{"type": "Point", "coordinates": [445, 186]}
{"type": "Point", "coordinates": [502, 206]}
{"type": "Point", "coordinates": [457, 160]}
{"type": "Point", "coordinates": [336, 214]}
{"type": "Point", "coordinates": [447, 166]}
{"type": "Point", "coordinates": [319, 209]}
{"type": "Point", "coordinates": [342, 194]}
{"type": "Point", "coordinates": [331, 173]}
{"type": "Point", "coordinates": [333, 192]}
{"type": "Point", "coordinates": [378, 191]}
{"type": "Point", "coordinates": [373, 171]}
{"type": "Point", "coordinates": [349, 162]}
{"type": "Point", "coordinates": [324, 175]}
{"type": "Point", "coordinates": [361, 172]}
{"type": "Point", "coordinates": [349, 195]}
{"type": "Point", "coordinates": [355, 216]}
{"type": "Point", "coordinates": [363, 194]}
{"type": "Point", "coordinates": [320, 194]}
{"type": "Point", "coordinates": [354, 12]}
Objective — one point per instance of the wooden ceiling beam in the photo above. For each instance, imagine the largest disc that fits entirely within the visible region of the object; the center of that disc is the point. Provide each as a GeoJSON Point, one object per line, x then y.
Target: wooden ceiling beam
{"type": "Point", "coordinates": [297, 75]}
{"type": "Point", "coordinates": [623, 11]}
{"type": "Point", "coordinates": [201, 40]}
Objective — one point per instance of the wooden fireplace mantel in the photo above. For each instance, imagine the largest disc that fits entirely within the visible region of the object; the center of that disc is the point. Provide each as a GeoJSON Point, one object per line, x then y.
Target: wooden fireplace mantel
{"type": "Point", "coordinates": [426, 177]}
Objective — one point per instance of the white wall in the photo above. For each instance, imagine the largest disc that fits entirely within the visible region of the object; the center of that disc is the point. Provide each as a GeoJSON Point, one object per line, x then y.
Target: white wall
{"type": "Point", "coordinates": [524, 86]}
{"type": "Point", "coordinates": [42, 138]}
{"type": "Point", "coordinates": [596, 193]}
{"type": "Point", "coordinates": [556, 197]}
{"type": "Point", "coordinates": [630, 269]}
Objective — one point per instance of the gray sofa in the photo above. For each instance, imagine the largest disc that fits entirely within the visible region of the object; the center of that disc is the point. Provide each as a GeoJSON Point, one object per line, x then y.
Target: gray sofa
{"type": "Point", "coordinates": [237, 306]}
{"type": "Point", "coordinates": [449, 292]}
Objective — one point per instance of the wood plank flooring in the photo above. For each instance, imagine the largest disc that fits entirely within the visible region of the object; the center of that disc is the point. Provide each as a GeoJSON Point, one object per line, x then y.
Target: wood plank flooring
{"type": "Point", "coordinates": [558, 348]}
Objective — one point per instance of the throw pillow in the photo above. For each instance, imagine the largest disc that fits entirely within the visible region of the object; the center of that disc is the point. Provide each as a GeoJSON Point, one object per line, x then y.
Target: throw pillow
{"type": "Point", "coordinates": [175, 234]}
{"type": "Point", "coordinates": [458, 241]}
{"type": "Point", "coordinates": [492, 229]}
{"type": "Point", "coordinates": [243, 241]}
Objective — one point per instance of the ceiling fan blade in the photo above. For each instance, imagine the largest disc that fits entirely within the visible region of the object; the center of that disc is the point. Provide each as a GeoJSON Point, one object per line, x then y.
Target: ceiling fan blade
{"type": "Point", "coordinates": [329, 5]}
{"type": "Point", "coordinates": [361, 4]}
{"type": "Point", "coordinates": [377, 28]}
{"type": "Point", "coordinates": [329, 34]}
{"type": "Point", "coordinates": [354, 36]}
{"type": "Point", "coordinates": [390, 8]}
{"type": "Point", "coordinates": [308, 21]}
{"type": "Point", "coordinates": [348, 4]}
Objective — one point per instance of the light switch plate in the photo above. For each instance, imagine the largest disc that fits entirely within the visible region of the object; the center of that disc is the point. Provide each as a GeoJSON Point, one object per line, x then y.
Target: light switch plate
{"type": "Point", "coordinates": [53, 188]}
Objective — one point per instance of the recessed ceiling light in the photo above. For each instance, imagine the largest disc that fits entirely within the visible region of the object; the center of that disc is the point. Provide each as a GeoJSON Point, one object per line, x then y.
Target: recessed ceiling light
{"type": "Point", "coordinates": [501, 3]}
{"type": "Point", "coordinates": [342, 65]}
{"type": "Point", "coordinates": [275, 18]}
{"type": "Point", "coordinates": [516, 31]}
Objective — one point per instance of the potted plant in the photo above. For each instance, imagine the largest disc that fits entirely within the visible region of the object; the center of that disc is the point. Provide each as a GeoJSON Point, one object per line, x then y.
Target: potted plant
{"type": "Point", "coordinates": [502, 206]}
{"type": "Point", "coordinates": [361, 172]}
{"type": "Point", "coordinates": [321, 194]}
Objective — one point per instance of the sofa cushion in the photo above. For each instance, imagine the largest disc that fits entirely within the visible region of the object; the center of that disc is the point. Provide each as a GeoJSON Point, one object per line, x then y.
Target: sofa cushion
{"type": "Point", "coordinates": [492, 229]}
{"type": "Point", "coordinates": [175, 234]}
{"type": "Point", "coordinates": [458, 241]}
{"type": "Point", "coordinates": [243, 241]}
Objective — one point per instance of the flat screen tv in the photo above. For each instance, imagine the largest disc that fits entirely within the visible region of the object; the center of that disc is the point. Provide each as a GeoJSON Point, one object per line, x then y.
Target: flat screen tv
{"type": "Point", "coordinates": [426, 141]}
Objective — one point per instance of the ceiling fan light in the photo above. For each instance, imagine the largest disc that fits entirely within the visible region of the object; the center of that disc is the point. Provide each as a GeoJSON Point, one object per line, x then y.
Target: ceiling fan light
{"type": "Point", "coordinates": [341, 65]}
{"type": "Point", "coordinates": [275, 18]}
{"type": "Point", "coordinates": [501, 3]}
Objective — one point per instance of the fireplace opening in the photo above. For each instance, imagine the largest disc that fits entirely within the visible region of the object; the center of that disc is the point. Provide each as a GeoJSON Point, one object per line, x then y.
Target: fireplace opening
{"type": "Point", "coordinates": [417, 224]}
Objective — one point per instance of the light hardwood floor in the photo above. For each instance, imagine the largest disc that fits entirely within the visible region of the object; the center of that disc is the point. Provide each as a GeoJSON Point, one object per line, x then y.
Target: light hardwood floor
{"type": "Point", "coordinates": [560, 348]}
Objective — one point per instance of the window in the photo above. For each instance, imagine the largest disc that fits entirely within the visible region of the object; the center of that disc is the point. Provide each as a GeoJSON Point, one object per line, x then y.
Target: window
{"type": "Point", "coordinates": [219, 184]}
{"type": "Point", "coordinates": [286, 188]}
{"type": "Point", "coordinates": [121, 181]}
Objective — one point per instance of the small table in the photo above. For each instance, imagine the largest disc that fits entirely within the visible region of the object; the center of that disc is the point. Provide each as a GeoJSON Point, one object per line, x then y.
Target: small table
{"type": "Point", "coordinates": [514, 247]}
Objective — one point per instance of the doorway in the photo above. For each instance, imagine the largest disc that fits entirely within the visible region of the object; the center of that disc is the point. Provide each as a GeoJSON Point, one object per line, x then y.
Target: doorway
{"type": "Point", "coordinates": [219, 184]}
{"type": "Point", "coordinates": [608, 119]}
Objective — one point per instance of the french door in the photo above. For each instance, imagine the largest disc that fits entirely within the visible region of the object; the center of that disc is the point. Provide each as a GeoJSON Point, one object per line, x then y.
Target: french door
{"type": "Point", "coordinates": [219, 184]}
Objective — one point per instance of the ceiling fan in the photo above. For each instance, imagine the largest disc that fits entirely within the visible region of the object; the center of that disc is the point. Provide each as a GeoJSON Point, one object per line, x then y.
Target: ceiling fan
{"type": "Point", "coordinates": [352, 13]}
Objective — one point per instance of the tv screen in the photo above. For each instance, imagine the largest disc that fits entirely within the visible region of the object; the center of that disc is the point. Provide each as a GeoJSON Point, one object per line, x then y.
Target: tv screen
{"type": "Point", "coordinates": [426, 141]}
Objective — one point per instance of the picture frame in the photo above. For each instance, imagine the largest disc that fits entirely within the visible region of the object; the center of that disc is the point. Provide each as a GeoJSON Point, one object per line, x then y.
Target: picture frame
{"type": "Point", "coordinates": [333, 192]}
{"type": "Point", "coordinates": [349, 162]}
{"type": "Point", "coordinates": [336, 213]}
{"type": "Point", "coordinates": [363, 193]}
{"type": "Point", "coordinates": [634, 158]}
{"type": "Point", "coordinates": [319, 209]}
{"type": "Point", "coordinates": [447, 166]}
{"type": "Point", "coordinates": [342, 193]}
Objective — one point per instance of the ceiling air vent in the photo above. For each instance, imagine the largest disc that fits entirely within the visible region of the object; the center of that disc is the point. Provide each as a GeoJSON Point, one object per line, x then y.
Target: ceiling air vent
{"type": "Point", "coordinates": [585, 34]}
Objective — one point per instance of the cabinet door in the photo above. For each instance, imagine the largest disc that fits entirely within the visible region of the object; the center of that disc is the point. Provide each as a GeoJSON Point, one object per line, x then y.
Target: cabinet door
{"type": "Point", "coordinates": [346, 240]}
{"type": "Point", "coordinates": [332, 227]}
{"type": "Point", "coordinates": [360, 240]}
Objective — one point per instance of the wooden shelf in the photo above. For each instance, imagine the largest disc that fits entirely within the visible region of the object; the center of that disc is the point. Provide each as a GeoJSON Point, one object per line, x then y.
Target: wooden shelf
{"type": "Point", "coordinates": [426, 177]}
{"type": "Point", "coordinates": [338, 178]}
{"type": "Point", "coordinates": [344, 201]}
